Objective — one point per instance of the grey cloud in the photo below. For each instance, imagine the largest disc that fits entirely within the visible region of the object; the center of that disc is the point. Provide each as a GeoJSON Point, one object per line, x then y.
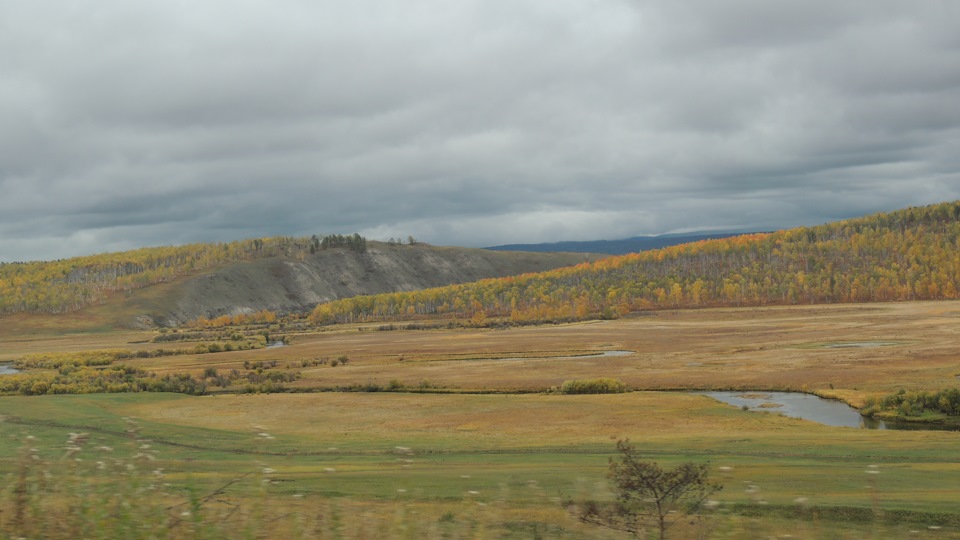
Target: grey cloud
{"type": "Point", "coordinates": [466, 122]}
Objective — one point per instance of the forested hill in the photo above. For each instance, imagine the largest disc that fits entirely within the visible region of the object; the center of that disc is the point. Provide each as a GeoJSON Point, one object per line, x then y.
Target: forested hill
{"type": "Point", "coordinates": [912, 254]}
{"type": "Point", "coordinates": [280, 273]}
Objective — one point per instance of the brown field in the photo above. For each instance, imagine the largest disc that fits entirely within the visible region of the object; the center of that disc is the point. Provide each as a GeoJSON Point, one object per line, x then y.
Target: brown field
{"type": "Point", "coordinates": [847, 351]}
{"type": "Point", "coordinates": [853, 349]}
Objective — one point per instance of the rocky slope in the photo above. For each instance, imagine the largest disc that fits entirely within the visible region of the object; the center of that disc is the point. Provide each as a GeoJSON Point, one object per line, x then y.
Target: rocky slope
{"type": "Point", "coordinates": [284, 284]}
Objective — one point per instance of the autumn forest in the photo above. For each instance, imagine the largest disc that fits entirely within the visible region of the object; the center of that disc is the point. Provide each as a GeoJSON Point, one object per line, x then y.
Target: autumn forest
{"type": "Point", "coordinates": [910, 254]}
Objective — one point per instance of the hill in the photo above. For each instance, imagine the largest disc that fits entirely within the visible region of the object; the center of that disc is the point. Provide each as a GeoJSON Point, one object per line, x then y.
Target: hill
{"type": "Point", "coordinates": [912, 254]}
{"type": "Point", "coordinates": [623, 246]}
{"type": "Point", "coordinates": [169, 285]}
{"type": "Point", "coordinates": [286, 284]}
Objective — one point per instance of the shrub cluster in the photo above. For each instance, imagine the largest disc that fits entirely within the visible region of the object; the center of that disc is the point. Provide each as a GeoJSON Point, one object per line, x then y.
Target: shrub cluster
{"type": "Point", "coordinates": [72, 379]}
{"type": "Point", "coordinates": [593, 386]}
{"type": "Point", "coordinates": [912, 404]}
{"type": "Point", "coordinates": [57, 360]}
{"type": "Point", "coordinates": [227, 346]}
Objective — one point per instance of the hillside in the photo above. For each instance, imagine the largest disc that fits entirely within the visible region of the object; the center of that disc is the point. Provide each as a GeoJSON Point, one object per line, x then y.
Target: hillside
{"type": "Point", "coordinates": [912, 254]}
{"type": "Point", "coordinates": [623, 246]}
{"type": "Point", "coordinates": [286, 284]}
{"type": "Point", "coordinates": [169, 285]}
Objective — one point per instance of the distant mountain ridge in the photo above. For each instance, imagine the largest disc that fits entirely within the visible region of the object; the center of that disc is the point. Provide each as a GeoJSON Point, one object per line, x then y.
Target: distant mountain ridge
{"type": "Point", "coordinates": [623, 246]}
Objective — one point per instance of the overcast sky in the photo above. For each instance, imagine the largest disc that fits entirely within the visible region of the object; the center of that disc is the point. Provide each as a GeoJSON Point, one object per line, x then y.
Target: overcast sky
{"type": "Point", "coordinates": [129, 123]}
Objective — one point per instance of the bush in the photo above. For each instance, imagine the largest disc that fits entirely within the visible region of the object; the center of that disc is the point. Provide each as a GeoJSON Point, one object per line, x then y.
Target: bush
{"type": "Point", "coordinates": [58, 360]}
{"type": "Point", "coordinates": [593, 386]}
{"type": "Point", "coordinates": [913, 404]}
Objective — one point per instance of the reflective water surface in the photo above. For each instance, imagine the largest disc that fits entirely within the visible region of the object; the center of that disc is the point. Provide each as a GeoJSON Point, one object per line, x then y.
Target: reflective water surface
{"type": "Point", "coordinates": [8, 369]}
{"type": "Point", "coordinates": [829, 412]}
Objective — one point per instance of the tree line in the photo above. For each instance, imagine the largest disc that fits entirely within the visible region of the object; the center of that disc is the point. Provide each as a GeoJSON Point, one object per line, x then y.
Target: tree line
{"type": "Point", "coordinates": [354, 242]}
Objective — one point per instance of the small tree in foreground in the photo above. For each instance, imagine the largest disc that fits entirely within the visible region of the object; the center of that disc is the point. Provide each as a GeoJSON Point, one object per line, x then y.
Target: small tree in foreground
{"type": "Point", "coordinates": [649, 496]}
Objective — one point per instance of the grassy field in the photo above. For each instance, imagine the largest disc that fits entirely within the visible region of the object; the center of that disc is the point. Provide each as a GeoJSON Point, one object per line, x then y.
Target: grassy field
{"type": "Point", "coordinates": [853, 350]}
{"type": "Point", "coordinates": [464, 465]}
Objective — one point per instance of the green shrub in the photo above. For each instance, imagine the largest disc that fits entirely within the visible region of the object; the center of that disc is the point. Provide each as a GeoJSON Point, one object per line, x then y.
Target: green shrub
{"type": "Point", "coordinates": [593, 386]}
{"type": "Point", "coordinates": [57, 360]}
{"type": "Point", "coordinates": [917, 403]}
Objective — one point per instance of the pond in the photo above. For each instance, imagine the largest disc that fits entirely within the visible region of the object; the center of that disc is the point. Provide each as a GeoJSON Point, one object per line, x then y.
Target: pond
{"type": "Point", "coordinates": [8, 369]}
{"type": "Point", "coordinates": [829, 412]}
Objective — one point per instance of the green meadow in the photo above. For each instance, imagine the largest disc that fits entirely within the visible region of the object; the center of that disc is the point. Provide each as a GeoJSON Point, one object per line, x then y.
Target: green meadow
{"type": "Point", "coordinates": [466, 461]}
{"type": "Point", "coordinates": [393, 451]}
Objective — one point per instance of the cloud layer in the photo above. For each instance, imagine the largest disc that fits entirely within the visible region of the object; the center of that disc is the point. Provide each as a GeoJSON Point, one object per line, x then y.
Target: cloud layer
{"type": "Point", "coordinates": [124, 124]}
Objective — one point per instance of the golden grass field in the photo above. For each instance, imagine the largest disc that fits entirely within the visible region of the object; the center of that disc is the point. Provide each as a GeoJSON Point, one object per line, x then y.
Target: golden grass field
{"type": "Point", "coordinates": [854, 349]}
{"type": "Point", "coordinates": [345, 444]}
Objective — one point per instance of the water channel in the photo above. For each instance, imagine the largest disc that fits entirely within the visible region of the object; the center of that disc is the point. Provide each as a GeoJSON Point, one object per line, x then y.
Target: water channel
{"type": "Point", "coordinates": [829, 412]}
{"type": "Point", "coordinates": [8, 369]}
{"type": "Point", "coordinates": [598, 354]}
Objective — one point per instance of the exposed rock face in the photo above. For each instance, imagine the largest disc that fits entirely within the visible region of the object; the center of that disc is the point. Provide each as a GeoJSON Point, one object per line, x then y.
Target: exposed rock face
{"type": "Point", "coordinates": [288, 285]}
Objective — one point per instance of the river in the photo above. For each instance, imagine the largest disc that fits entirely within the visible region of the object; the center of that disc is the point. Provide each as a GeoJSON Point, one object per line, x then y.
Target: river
{"type": "Point", "coordinates": [829, 412]}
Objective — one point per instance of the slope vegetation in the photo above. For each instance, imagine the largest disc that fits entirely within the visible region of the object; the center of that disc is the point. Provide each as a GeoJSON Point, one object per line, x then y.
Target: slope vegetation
{"type": "Point", "coordinates": [169, 285]}
{"type": "Point", "coordinates": [70, 284]}
{"type": "Point", "coordinates": [289, 284]}
{"type": "Point", "coordinates": [912, 254]}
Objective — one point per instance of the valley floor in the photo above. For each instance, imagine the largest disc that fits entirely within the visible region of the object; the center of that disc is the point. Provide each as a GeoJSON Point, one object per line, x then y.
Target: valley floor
{"type": "Point", "coordinates": [468, 465]}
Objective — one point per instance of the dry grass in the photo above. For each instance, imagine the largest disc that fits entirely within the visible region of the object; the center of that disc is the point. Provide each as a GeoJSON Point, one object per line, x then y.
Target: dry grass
{"type": "Point", "coordinates": [469, 421]}
{"type": "Point", "coordinates": [912, 345]}
{"type": "Point", "coordinates": [488, 422]}
{"type": "Point", "coordinates": [917, 346]}
{"type": "Point", "coordinates": [14, 348]}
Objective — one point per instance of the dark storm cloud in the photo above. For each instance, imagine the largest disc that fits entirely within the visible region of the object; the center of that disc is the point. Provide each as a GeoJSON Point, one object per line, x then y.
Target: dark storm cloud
{"type": "Point", "coordinates": [125, 124]}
